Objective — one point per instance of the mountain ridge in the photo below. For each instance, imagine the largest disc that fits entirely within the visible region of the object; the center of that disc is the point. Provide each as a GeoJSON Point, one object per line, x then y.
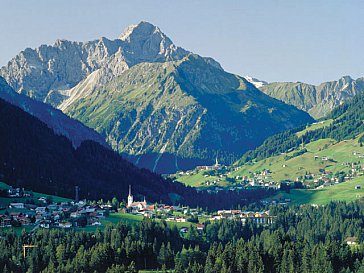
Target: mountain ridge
{"type": "Point", "coordinates": [66, 63]}
{"type": "Point", "coordinates": [317, 100]}
{"type": "Point", "coordinates": [149, 97]}
{"type": "Point", "coordinates": [190, 94]}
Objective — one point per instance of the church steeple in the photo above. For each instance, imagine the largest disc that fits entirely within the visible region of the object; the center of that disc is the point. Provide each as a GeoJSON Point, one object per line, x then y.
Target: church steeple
{"type": "Point", "coordinates": [130, 197]}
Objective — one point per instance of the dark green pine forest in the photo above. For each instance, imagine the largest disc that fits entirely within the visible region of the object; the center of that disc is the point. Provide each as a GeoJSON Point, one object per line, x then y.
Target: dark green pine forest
{"type": "Point", "coordinates": [302, 239]}
{"type": "Point", "coordinates": [32, 156]}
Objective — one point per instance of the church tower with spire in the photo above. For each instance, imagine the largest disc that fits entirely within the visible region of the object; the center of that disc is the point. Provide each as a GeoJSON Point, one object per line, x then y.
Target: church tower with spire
{"type": "Point", "coordinates": [130, 197]}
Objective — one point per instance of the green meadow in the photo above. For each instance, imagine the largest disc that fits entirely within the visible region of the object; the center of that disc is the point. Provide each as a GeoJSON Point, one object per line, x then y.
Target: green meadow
{"type": "Point", "coordinates": [340, 192]}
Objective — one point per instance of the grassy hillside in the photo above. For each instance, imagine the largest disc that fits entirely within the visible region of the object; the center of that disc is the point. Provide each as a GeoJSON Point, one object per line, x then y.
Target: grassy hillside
{"type": "Point", "coordinates": [283, 167]}
{"type": "Point", "coordinates": [328, 152]}
{"type": "Point", "coordinates": [287, 166]}
{"type": "Point", "coordinates": [6, 201]}
{"type": "Point", "coordinates": [315, 126]}
{"type": "Point", "coordinates": [341, 192]}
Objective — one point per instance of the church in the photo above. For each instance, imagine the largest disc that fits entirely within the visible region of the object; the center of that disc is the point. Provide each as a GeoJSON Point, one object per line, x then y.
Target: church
{"type": "Point", "coordinates": [135, 205]}
{"type": "Point", "coordinates": [216, 166]}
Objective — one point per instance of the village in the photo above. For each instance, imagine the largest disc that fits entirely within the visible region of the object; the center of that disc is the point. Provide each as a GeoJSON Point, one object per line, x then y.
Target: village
{"type": "Point", "coordinates": [218, 177]}
{"type": "Point", "coordinates": [45, 213]}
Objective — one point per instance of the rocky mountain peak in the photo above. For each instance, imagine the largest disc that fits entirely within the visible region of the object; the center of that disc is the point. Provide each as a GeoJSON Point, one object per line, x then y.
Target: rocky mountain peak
{"type": "Point", "coordinates": [143, 30]}
{"type": "Point", "coordinates": [145, 42]}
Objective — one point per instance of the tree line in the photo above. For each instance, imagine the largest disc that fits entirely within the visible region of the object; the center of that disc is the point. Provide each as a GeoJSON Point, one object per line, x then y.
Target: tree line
{"type": "Point", "coordinates": [301, 239]}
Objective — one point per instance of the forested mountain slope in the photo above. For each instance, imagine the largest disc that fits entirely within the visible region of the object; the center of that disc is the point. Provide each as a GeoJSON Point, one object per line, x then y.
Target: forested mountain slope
{"type": "Point", "coordinates": [32, 156]}
{"type": "Point", "coordinates": [60, 123]}
{"type": "Point", "coordinates": [178, 114]}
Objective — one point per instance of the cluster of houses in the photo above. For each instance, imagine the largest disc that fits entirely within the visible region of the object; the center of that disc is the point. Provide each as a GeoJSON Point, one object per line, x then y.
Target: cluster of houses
{"type": "Point", "coordinates": [152, 210]}
{"type": "Point", "coordinates": [63, 215]}
{"type": "Point", "coordinates": [184, 213]}
{"type": "Point", "coordinates": [262, 218]}
{"type": "Point", "coordinates": [47, 215]}
{"type": "Point", "coordinates": [17, 193]}
{"type": "Point", "coordinates": [259, 179]}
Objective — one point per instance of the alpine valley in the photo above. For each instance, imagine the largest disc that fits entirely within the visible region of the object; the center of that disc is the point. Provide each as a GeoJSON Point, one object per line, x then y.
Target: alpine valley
{"type": "Point", "coordinates": [136, 155]}
{"type": "Point", "coordinates": [162, 107]}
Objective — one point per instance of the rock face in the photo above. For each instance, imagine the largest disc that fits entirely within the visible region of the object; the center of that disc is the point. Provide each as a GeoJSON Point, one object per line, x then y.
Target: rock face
{"type": "Point", "coordinates": [48, 72]}
{"type": "Point", "coordinates": [60, 123]}
{"type": "Point", "coordinates": [163, 107]}
{"type": "Point", "coordinates": [318, 100]}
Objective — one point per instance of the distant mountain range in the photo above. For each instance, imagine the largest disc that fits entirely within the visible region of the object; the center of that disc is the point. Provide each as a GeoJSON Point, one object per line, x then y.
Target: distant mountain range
{"type": "Point", "coordinates": [317, 100]}
{"type": "Point", "coordinates": [160, 105]}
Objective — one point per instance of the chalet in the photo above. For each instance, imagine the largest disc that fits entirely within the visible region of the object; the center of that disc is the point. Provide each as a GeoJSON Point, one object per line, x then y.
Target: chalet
{"type": "Point", "coordinates": [262, 218]}
{"type": "Point", "coordinates": [87, 211]}
{"type": "Point", "coordinates": [42, 199]}
{"type": "Point", "coordinates": [41, 209]}
{"type": "Point", "coordinates": [45, 224]}
{"type": "Point", "coordinates": [216, 217]}
{"type": "Point", "coordinates": [52, 207]}
{"type": "Point", "coordinates": [106, 206]}
{"type": "Point", "coordinates": [75, 214]}
{"type": "Point", "coordinates": [180, 220]}
{"type": "Point", "coordinates": [351, 240]}
{"type": "Point", "coordinates": [65, 224]}
{"type": "Point", "coordinates": [17, 205]}
{"type": "Point", "coordinates": [200, 227]}
{"type": "Point", "coordinates": [15, 192]}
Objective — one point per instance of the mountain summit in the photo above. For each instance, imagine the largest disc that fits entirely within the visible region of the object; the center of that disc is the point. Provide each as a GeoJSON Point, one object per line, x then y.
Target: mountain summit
{"type": "Point", "coordinates": [47, 73]}
{"type": "Point", "coordinates": [142, 31]}
{"type": "Point", "coordinates": [162, 106]}
{"type": "Point", "coordinates": [145, 42]}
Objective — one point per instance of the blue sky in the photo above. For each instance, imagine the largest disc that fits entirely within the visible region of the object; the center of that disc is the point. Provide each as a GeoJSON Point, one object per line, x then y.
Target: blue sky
{"type": "Point", "coordinates": [274, 40]}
